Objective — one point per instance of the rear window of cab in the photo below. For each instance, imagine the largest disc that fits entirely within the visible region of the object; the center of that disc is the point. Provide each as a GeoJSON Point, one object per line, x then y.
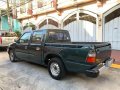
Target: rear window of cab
{"type": "Point", "coordinates": [58, 36]}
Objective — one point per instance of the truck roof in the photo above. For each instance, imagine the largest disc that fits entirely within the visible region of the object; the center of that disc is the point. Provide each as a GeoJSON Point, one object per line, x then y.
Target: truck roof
{"type": "Point", "coordinates": [52, 29]}
{"type": "Point", "coordinates": [46, 30]}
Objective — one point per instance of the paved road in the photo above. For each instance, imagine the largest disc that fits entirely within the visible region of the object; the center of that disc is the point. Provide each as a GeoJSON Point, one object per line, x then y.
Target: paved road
{"type": "Point", "coordinates": [28, 76]}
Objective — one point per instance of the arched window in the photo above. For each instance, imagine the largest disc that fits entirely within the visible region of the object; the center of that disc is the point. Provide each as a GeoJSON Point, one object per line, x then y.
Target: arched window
{"type": "Point", "coordinates": [112, 15]}
{"type": "Point", "coordinates": [86, 17]}
{"type": "Point", "coordinates": [52, 22]}
{"type": "Point", "coordinates": [69, 20]}
{"type": "Point", "coordinates": [43, 23]}
{"type": "Point", "coordinates": [48, 22]}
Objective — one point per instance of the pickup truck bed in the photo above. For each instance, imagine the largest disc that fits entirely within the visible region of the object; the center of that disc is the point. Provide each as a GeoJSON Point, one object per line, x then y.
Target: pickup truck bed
{"type": "Point", "coordinates": [5, 41]}
{"type": "Point", "coordinates": [7, 38]}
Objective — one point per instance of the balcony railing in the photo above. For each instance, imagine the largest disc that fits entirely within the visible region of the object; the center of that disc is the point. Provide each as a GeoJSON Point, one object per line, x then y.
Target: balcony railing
{"type": "Point", "coordinates": [41, 6]}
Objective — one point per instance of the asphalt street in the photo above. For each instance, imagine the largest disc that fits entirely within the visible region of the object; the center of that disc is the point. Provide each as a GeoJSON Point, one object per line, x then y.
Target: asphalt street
{"type": "Point", "coordinates": [29, 76]}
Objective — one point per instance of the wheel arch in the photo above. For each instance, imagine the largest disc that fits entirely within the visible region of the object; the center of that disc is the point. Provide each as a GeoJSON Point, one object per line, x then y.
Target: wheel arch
{"type": "Point", "coordinates": [49, 56]}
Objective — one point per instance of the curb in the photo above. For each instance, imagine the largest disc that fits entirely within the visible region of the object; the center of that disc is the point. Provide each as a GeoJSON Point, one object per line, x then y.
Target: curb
{"type": "Point", "coordinates": [115, 66]}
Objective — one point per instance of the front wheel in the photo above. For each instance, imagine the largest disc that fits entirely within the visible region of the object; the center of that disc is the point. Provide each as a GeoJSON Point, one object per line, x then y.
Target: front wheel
{"type": "Point", "coordinates": [56, 68]}
{"type": "Point", "coordinates": [12, 56]}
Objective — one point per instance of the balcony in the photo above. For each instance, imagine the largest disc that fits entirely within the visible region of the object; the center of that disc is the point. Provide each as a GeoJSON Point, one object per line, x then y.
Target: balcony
{"type": "Point", "coordinates": [40, 7]}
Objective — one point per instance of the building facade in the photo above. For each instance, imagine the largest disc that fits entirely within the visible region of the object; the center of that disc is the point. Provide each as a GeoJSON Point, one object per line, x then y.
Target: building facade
{"type": "Point", "coordinates": [86, 20]}
{"type": "Point", "coordinates": [15, 25]}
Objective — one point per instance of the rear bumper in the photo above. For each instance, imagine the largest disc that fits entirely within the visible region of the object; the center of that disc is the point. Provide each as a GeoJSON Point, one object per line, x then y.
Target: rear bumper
{"type": "Point", "coordinates": [100, 68]}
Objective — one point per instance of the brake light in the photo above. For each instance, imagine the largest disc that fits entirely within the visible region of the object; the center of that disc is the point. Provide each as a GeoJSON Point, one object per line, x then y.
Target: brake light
{"type": "Point", "coordinates": [91, 57]}
{"type": "Point", "coordinates": [0, 40]}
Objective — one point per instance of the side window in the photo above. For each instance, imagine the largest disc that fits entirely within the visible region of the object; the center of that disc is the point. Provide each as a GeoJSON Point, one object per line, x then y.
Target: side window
{"type": "Point", "coordinates": [37, 37]}
{"type": "Point", "coordinates": [25, 38]}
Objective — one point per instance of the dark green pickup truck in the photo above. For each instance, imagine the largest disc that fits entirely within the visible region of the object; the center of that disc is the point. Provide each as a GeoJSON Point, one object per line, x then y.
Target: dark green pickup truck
{"type": "Point", "coordinates": [54, 49]}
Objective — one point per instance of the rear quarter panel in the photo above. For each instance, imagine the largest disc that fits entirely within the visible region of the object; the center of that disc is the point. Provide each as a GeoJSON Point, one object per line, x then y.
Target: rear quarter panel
{"type": "Point", "coordinates": [73, 58]}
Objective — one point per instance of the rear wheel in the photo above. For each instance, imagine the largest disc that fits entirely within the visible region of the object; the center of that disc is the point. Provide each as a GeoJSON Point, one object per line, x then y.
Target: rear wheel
{"type": "Point", "coordinates": [56, 68]}
{"type": "Point", "coordinates": [12, 56]}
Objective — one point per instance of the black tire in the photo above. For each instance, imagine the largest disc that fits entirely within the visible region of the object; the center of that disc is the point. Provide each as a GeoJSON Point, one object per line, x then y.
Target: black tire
{"type": "Point", "coordinates": [59, 66]}
{"type": "Point", "coordinates": [12, 56]}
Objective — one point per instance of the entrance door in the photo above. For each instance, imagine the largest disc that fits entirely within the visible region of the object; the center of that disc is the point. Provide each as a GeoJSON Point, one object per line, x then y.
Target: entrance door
{"type": "Point", "coordinates": [112, 29]}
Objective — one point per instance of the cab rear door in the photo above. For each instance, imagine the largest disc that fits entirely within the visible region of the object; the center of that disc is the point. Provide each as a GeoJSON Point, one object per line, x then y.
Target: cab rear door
{"type": "Point", "coordinates": [36, 47]}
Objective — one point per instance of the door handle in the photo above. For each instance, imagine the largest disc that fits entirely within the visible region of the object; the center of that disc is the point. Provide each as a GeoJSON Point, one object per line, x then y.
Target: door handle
{"type": "Point", "coordinates": [25, 47]}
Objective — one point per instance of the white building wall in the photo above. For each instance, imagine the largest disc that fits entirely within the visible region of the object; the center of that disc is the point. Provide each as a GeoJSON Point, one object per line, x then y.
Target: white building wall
{"type": "Point", "coordinates": [97, 12]}
{"type": "Point", "coordinates": [111, 29]}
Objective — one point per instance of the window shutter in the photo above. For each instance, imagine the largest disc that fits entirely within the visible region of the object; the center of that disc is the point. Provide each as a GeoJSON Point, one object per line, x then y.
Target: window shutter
{"type": "Point", "coordinates": [55, 4]}
{"type": "Point", "coordinates": [29, 11]}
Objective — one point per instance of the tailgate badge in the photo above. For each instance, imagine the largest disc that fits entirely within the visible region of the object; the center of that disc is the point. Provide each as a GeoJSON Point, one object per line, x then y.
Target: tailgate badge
{"type": "Point", "coordinates": [37, 48]}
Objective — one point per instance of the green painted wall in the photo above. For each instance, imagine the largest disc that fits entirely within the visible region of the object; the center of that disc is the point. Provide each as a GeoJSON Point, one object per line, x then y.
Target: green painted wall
{"type": "Point", "coordinates": [4, 23]}
{"type": "Point", "coordinates": [16, 25]}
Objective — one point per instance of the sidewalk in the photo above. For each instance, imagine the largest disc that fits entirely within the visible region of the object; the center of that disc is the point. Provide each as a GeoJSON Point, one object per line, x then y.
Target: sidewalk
{"type": "Point", "coordinates": [116, 55]}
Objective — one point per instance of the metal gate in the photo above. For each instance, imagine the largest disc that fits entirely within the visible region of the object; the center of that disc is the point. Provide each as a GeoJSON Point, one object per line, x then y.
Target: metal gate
{"type": "Point", "coordinates": [112, 27]}
{"type": "Point", "coordinates": [81, 26]}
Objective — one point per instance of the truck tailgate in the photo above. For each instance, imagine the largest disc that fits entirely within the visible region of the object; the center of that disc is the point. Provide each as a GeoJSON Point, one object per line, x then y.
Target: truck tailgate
{"type": "Point", "coordinates": [7, 40]}
{"type": "Point", "coordinates": [103, 52]}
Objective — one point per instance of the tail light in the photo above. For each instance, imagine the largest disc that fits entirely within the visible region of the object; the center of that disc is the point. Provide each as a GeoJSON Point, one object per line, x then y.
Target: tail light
{"type": "Point", "coordinates": [91, 57]}
{"type": "Point", "coordinates": [0, 40]}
